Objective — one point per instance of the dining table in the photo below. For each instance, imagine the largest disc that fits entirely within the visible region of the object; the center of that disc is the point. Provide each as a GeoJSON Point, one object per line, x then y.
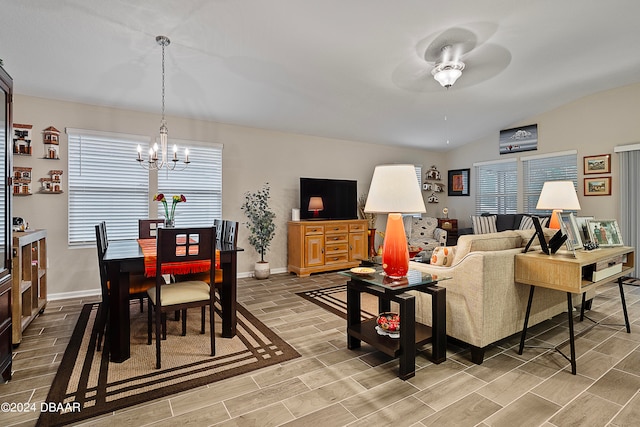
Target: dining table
{"type": "Point", "coordinates": [125, 257]}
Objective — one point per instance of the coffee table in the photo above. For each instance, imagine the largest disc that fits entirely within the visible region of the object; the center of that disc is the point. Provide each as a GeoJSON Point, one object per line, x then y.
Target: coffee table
{"type": "Point", "coordinates": [412, 333]}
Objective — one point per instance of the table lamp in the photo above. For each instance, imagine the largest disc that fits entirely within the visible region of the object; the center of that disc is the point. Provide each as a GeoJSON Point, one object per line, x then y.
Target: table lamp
{"type": "Point", "coordinates": [316, 205]}
{"type": "Point", "coordinates": [556, 196]}
{"type": "Point", "coordinates": [395, 190]}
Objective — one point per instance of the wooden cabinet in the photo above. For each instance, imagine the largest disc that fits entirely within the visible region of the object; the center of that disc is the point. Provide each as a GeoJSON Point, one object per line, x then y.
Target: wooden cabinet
{"type": "Point", "coordinates": [317, 246]}
{"type": "Point", "coordinates": [29, 293]}
{"type": "Point", "coordinates": [451, 226]}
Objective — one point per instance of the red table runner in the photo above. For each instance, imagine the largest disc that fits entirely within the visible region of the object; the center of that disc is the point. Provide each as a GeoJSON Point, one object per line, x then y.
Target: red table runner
{"type": "Point", "coordinates": [148, 247]}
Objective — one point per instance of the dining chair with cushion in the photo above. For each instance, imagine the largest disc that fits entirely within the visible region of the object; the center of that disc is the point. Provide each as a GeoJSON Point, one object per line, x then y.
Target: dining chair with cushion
{"type": "Point", "coordinates": [138, 284]}
{"type": "Point", "coordinates": [185, 246]}
{"type": "Point", "coordinates": [148, 228]}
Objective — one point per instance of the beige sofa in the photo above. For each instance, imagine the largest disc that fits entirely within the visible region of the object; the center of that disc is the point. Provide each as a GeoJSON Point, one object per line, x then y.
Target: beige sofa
{"type": "Point", "coordinates": [484, 304]}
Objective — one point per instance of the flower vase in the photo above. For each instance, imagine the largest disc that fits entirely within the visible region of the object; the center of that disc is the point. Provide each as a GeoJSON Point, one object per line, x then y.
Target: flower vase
{"type": "Point", "coordinates": [169, 223]}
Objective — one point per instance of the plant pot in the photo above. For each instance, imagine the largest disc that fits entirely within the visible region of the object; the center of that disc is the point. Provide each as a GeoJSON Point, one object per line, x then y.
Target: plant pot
{"type": "Point", "coordinates": [261, 270]}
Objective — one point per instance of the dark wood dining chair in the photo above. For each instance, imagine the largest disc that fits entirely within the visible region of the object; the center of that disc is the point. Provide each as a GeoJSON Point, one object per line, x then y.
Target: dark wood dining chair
{"type": "Point", "coordinates": [148, 228]}
{"type": "Point", "coordinates": [182, 245]}
{"type": "Point", "coordinates": [219, 225]}
{"type": "Point", "coordinates": [138, 284]}
{"type": "Point", "coordinates": [230, 233]}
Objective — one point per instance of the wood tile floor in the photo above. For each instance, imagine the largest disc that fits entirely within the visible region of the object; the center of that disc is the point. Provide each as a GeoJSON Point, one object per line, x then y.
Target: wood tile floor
{"type": "Point", "coordinates": [333, 386]}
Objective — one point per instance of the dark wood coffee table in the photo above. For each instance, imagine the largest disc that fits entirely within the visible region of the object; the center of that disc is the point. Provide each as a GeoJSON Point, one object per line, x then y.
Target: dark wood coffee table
{"type": "Point", "coordinates": [412, 333]}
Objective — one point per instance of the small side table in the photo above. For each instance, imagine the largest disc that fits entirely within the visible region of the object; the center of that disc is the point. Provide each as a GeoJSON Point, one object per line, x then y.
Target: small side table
{"type": "Point", "coordinates": [451, 226]}
{"type": "Point", "coordinates": [412, 333]}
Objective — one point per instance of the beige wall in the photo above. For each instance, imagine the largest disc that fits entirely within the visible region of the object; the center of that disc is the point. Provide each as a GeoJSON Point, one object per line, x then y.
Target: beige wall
{"type": "Point", "coordinates": [250, 158]}
{"type": "Point", "coordinates": [591, 125]}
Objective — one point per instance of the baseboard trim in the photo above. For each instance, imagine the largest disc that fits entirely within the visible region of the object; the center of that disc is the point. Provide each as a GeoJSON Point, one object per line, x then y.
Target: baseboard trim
{"type": "Point", "coordinates": [96, 292]}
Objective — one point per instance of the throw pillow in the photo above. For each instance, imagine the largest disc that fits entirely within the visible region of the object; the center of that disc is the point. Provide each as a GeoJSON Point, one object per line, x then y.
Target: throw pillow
{"type": "Point", "coordinates": [443, 255]}
{"type": "Point", "coordinates": [527, 222]}
{"type": "Point", "coordinates": [484, 224]}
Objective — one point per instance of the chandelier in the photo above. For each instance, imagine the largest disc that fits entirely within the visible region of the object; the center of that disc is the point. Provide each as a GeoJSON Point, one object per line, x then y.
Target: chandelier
{"type": "Point", "coordinates": [158, 155]}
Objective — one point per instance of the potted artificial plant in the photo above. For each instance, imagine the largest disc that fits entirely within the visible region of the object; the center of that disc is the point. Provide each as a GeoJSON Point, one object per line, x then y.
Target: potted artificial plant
{"type": "Point", "coordinates": [261, 226]}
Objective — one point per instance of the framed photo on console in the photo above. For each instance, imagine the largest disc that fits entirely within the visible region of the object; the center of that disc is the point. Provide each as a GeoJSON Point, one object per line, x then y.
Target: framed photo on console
{"type": "Point", "coordinates": [606, 232]}
{"type": "Point", "coordinates": [582, 225]}
{"type": "Point", "coordinates": [573, 241]}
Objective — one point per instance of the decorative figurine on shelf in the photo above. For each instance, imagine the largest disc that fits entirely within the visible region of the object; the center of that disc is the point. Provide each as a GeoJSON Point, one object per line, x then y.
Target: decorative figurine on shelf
{"type": "Point", "coordinates": [51, 138]}
{"type": "Point", "coordinates": [433, 174]}
{"type": "Point", "coordinates": [52, 184]}
{"type": "Point", "coordinates": [432, 198]}
{"type": "Point", "coordinates": [22, 139]}
{"type": "Point", "coordinates": [21, 181]}
{"type": "Point", "coordinates": [445, 212]}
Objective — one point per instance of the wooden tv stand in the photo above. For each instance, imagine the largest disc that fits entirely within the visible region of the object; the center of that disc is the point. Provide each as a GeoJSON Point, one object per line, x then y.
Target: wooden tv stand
{"type": "Point", "coordinates": [322, 245]}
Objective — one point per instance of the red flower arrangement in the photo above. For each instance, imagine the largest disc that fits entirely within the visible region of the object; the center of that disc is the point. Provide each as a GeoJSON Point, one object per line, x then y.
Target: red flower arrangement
{"type": "Point", "coordinates": [175, 200]}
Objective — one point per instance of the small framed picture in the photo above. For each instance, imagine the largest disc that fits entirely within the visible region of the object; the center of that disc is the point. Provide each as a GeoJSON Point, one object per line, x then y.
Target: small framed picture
{"type": "Point", "coordinates": [597, 186]}
{"type": "Point", "coordinates": [582, 225]}
{"type": "Point", "coordinates": [605, 232]}
{"type": "Point", "coordinates": [597, 164]}
{"type": "Point", "coordinates": [569, 227]}
{"type": "Point", "coordinates": [458, 182]}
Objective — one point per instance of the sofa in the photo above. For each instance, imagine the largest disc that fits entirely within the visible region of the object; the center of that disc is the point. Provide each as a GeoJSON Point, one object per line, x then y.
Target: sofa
{"type": "Point", "coordinates": [484, 304]}
{"type": "Point", "coordinates": [423, 232]}
{"type": "Point", "coordinates": [488, 222]}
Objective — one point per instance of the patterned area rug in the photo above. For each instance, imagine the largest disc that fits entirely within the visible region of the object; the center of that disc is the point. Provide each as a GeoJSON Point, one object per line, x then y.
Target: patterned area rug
{"type": "Point", "coordinates": [87, 384]}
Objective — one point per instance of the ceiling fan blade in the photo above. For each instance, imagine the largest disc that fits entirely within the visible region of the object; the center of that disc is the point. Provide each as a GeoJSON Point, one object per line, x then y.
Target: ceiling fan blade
{"type": "Point", "coordinates": [484, 63]}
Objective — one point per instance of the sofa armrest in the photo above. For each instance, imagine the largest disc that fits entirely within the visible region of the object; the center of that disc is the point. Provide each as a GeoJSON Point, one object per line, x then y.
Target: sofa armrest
{"type": "Point", "coordinates": [441, 236]}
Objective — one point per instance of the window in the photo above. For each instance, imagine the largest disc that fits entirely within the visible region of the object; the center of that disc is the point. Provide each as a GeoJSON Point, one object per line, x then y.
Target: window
{"type": "Point", "coordinates": [200, 183]}
{"type": "Point", "coordinates": [546, 167]}
{"type": "Point", "coordinates": [497, 186]}
{"type": "Point", "coordinates": [105, 184]}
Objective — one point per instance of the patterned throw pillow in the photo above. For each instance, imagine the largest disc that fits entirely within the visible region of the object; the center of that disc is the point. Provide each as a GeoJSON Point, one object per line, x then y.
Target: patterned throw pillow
{"type": "Point", "coordinates": [443, 255]}
{"type": "Point", "coordinates": [527, 223]}
{"type": "Point", "coordinates": [484, 224]}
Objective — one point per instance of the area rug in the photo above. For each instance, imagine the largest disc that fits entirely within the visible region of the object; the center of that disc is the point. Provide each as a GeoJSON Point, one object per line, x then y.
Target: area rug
{"type": "Point", "coordinates": [87, 384]}
{"type": "Point", "coordinates": [334, 299]}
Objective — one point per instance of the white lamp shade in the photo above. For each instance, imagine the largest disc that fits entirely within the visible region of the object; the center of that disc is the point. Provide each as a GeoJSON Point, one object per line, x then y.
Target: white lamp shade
{"type": "Point", "coordinates": [394, 188]}
{"type": "Point", "coordinates": [558, 195]}
{"type": "Point", "coordinates": [315, 204]}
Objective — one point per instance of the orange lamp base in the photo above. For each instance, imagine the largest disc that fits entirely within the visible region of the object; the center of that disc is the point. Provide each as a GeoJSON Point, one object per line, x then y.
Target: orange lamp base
{"type": "Point", "coordinates": [554, 222]}
{"type": "Point", "coordinates": [395, 251]}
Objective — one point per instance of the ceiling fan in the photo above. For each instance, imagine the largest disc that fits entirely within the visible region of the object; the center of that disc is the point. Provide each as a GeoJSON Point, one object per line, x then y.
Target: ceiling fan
{"type": "Point", "coordinates": [441, 58]}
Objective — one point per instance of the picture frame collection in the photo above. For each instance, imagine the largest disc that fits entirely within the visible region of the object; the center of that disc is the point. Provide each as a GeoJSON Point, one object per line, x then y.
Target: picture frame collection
{"type": "Point", "coordinates": [597, 165]}
{"type": "Point", "coordinates": [587, 229]}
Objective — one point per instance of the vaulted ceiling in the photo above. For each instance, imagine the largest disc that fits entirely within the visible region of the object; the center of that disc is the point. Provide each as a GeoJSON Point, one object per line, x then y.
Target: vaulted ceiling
{"type": "Point", "coordinates": [347, 69]}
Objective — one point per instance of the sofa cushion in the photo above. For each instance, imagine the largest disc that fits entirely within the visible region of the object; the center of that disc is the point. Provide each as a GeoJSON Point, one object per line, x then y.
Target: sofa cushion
{"type": "Point", "coordinates": [443, 255]}
{"type": "Point", "coordinates": [486, 242]}
{"type": "Point", "coordinates": [484, 224]}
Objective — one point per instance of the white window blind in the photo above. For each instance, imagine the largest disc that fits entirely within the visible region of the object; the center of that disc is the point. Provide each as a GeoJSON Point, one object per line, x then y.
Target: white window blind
{"type": "Point", "coordinates": [105, 184]}
{"type": "Point", "coordinates": [497, 187]}
{"type": "Point", "coordinates": [200, 183]}
{"type": "Point", "coordinates": [547, 167]}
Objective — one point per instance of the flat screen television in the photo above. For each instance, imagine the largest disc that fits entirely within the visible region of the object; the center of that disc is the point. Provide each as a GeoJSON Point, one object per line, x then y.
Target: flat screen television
{"type": "Point", "coordinates": [338, 197]}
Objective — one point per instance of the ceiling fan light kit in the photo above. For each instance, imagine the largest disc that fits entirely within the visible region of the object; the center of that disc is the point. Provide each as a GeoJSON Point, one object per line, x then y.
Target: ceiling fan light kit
{"type": "Point", "coordinates": [446, 73]}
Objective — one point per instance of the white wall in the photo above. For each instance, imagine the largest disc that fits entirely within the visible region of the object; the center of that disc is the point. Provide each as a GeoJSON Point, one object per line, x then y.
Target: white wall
{"type": "Point", "coordinates": [251, 157]}
{"type": "Point", "coordinates": [591, 125]}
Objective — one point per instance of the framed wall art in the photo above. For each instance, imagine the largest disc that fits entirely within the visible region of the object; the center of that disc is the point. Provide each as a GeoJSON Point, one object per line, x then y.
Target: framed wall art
{"type": "Point", "coordinates": [597, 186]}
{"type": "Point", "coordinates": [524, 138]}
{"type": "Point", "coordinates": [606, 232]}
{"type": "Point", "coordinates": [458, 183]}
{"type": "Point", "coordinates": [597, 164]}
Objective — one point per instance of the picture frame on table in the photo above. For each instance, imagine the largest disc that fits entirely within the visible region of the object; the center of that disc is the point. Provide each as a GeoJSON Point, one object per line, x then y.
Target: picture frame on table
{"type": "Point", "coordinates": [598, 164]}
{"type": "Point", "coordinates": [568, 228]}
{"type": "Point", "coordinates": [605, 232]}
{"type": "Point", "coordinates": [458, 182]}
{"type": "Point", "coordinates": [581, 224]}
{"type": "Point", "coordinates": [597, 186]}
